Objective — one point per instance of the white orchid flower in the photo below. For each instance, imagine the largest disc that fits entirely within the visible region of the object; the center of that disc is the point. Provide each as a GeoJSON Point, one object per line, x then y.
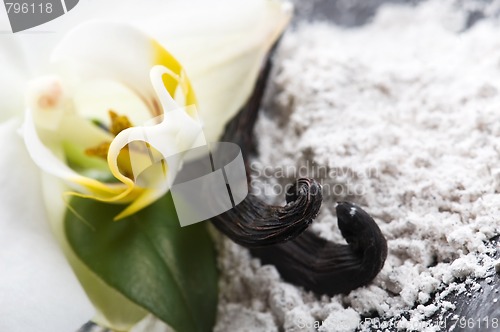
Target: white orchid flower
{"type": "Point", "coordinates": [214, 55]}
{"type": "Point", "coordinates": [64, 129]}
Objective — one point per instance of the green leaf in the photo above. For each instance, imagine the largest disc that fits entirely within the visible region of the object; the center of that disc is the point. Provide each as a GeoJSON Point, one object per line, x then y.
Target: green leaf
{"type": "Point", "coordinates": [168, 270]}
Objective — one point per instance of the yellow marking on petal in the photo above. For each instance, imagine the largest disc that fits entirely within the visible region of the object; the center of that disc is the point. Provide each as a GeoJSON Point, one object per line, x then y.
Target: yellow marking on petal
{"type": "Point", "coordinates": [125, 164]}
{"type": "Point", "coordinates": [145, 199]}
{"type": "Point", "coordinates": [119, 194]}
{"type": "Point", "coordinates": [178, 80]}
{"type": "Point", "coordinates": [104, 190]}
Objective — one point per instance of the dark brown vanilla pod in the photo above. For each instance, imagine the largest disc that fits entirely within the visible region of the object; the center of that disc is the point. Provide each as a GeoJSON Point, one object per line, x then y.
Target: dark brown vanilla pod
{"type": "Point", "coordinates": [254, 224]}
{"type": "Point", "coordinates": [306, 260]}
{"type": "Point", "coordinates": [330, 268]}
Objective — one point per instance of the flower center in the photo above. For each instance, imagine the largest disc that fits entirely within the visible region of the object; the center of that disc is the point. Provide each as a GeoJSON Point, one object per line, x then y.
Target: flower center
{"type": "Point", "coordinates": [118, 124]}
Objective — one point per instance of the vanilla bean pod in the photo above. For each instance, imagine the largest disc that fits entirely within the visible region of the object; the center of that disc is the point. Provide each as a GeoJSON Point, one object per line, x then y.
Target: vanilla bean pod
{"type": "Point", "coordinates": [304, 259]}
{"type": "Point", "coordinates": [254, 223]}
{"type": "Point", "coordinates": [326, 267]}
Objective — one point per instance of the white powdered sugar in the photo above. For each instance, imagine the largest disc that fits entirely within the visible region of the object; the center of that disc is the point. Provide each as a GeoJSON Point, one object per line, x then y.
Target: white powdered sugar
{"type": "Point", "coordinates": [402, 117]}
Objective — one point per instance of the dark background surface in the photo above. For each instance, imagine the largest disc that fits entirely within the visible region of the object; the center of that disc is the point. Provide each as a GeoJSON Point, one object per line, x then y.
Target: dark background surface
{"type": "Point", "coordinates": [352, 13]}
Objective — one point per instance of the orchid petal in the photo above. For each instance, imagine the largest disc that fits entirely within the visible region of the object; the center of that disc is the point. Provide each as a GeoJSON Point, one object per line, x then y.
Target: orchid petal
{"type": "Point", "coordinates": [222, 45]}
{"type": "Point", "coordinates": [36, 281]}
{"type": "Point", "coordinates": [13, 77]}
{"type": "Point", "coordinates": [116, 51]}
{"type": "Point", "coordinates": [113, 310]}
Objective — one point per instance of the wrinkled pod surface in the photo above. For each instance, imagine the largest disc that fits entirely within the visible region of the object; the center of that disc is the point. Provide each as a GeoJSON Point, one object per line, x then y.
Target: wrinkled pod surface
{"type": "Point", "coordinates": [278, 235]}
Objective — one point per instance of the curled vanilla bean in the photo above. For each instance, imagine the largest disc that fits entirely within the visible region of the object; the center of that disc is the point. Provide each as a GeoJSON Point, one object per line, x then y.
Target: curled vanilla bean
{"type": "Point", "coordinates": [253, 223]}
{"type": "Point", "coordinates": [330, 268]}
{"type": "Point", "coordinates": [278, 235]}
